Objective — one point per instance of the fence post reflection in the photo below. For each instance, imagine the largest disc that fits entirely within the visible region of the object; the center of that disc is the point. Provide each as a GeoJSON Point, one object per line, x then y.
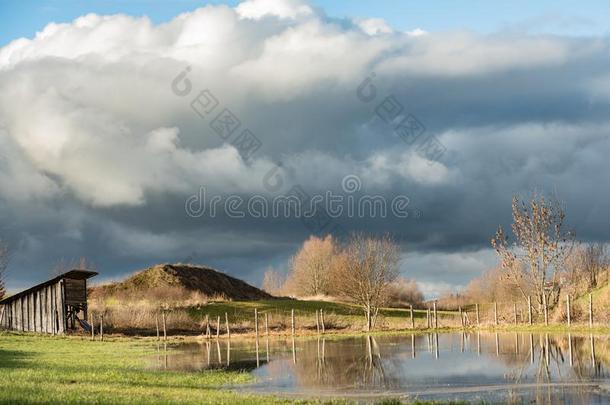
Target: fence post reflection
{"type": "Point", "coordinates": [592, 352]}
{"type": "Point", "coordinates": [412, 346]}
{"type": "Point", "coordinates": [258, 362]}
{"type": "Point", "coordinates": [570, 349]}
{"type": "Point", "coordinates": [547, 352]}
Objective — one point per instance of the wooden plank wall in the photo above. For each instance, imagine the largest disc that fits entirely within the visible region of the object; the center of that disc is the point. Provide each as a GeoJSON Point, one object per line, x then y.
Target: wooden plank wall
{"type": "Point", "coordinates": [75, 291]}
{"type": "Point", "coordinates": [42, 311]}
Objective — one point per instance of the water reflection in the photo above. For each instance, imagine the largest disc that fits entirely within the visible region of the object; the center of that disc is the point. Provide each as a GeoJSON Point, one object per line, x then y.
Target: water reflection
{"type": "Point", "coordinates": [470, 366]}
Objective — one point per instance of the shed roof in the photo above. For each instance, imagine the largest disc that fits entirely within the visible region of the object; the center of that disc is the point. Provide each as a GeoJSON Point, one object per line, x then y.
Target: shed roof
{"type": "Point", "coordinates": [75, 274]}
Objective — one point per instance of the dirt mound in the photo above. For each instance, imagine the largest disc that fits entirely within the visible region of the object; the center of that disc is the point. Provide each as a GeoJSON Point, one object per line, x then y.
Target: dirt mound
{"type": "Point", "coordinates": [191, 278]}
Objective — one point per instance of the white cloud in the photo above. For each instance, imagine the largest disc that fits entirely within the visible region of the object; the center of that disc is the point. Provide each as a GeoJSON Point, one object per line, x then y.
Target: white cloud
{"type": "Point", "coordinates": [417, 32]}
{"type": "Point", "coordinates": [374, 26]}
{"type": "Point", "coordinates": [408, 165]}
{"type": "Point", "coordinates": [91, 106]}
{"type": "Point", "coordinates": [257, 9]}
{"type": "Point", "coordinates": [438, 273]}
{"type": "Point", "coordinates": [464, 53]}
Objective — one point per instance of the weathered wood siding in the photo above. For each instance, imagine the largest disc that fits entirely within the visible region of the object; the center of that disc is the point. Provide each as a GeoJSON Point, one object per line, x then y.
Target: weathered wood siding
{"type": "Point", "coordinates": [75, 290]}
{"type": "Point", "coordinates": [42, 310]}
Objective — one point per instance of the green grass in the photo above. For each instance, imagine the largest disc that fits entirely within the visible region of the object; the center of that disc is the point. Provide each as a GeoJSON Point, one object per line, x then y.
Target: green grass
{"type": "Point", "coordinates": [37, 369]}
{"type": "Point", "coordinates": [42, 369]}
{"type": "Point", "coordinates": [597, 295]}
{"type": "Point", "coordinates": [551, 328]}
{"type": "Point", "coordinates": [244, 310]}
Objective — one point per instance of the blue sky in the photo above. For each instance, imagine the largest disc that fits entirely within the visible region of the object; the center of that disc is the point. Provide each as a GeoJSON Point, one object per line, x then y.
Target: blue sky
{"type": "Point", "coordinates": [24, 18]}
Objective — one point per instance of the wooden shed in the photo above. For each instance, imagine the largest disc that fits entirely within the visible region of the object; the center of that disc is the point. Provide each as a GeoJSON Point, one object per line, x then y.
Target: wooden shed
{"type": "Point", "coordinates": [50, 307]}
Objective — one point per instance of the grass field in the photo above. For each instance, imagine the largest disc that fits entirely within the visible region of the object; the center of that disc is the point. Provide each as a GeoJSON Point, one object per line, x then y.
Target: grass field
{"type": "Point", "coordinates": [42, 369]}
{"type": "Point", "coordinates": [339, 317]}
{"type": "Point", "coordinates": [70, 370]}
{"type": "Point", "coordinates": [138, 318]}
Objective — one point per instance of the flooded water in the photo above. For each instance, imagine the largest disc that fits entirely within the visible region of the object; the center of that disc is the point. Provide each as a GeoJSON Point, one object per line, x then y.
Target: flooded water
{"type": "Point", "coordinates": [490, 367]}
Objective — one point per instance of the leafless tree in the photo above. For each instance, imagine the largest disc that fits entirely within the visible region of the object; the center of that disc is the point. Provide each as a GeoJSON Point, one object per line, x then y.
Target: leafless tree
{"type": "Point", "coordinates": [404, 292]}
{"type": "Point", "coordinates": [586, 264]}
{"type": "Point", "coordinates": [540, 248]}
{"type": "Point", "coordinates": [5, 258]}
{"type": "Point", "coordinates": [595, 261]}
{"type": "Point", "coordinates": [492, 286]}
{"type": "Point", "coordinates": [63, 265]}
{"type": "Point", "coordinates": [273, 281]}
{"type": "Point", "coordinates": [311, 267]}
{"type": "Point", "coordinates": [366, 269]}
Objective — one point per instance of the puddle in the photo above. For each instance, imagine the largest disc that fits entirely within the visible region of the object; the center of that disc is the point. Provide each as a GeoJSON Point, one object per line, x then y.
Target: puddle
{"type": "Point", "coordinates": [491, 367]}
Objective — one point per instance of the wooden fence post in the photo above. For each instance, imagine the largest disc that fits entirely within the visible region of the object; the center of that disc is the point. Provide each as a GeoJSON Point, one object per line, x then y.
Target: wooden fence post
{"type": "Point", "coordinates": [164, 325]}
{"type": "Point", "coordinates": [435, 315]}
{"type": "Point", "coordinates": [208, 332]}
{"type": "Point", "coordinates": [544, 307]}
{"type": "Point", "coordinates": [515, 312]}
{"type": "Point", "coordinates": [102, 327]}
{"type": "Point", "coordinates": [411, 316]}
{"type": "Point", "coordinates": [477, 309]}
{"type": "Point", "coordinates": [227, 323]}
{"type": "Point", "coordinates": [157, 324]}
{"type": "Point", "coordinates": [590, 310]}
{"type": "Point", "coordinates": [428, 323]}
{"type": "Point", "coordinates": [529, 309]}
{"type": "Point", "coordinates": [218, 327]}
{"type": "Point", "coordinates": [568, 309]}
{"type": "Point", "coordinates": [521, 314]}
{"type": "Point", "coordinates": [292, 320]}
{"type": "Point", "coordinates": [266, 324]}
{"type": "Point", "coordinates": [91, 322]}
{"type": "Point", "coordinates": [256, 322]}
{"type": "Point", "coordinates": [322, 321]}
{"type": "Point", "coordinates": [496, 313]}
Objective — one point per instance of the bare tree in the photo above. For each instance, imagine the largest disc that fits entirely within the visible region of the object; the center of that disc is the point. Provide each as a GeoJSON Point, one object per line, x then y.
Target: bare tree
{"type": "Point", "coordinates": [5, 258]}
{"type": "Point", "coordinates": [365, 272]}
{"type": "Point", "coordinates": [586, 264]}
{"type": "Point", "coordinates": [595, 260]}
{"type": "Point", "coordinates": [403, 292]}
{"type": "Point", "coordinates": [63, 265]}
{"type": "Point", "coordinates": [311, 267]}
{"type": "Point", "coordinates": [540, 248]}
{"type": "Point", "coordinates": [492, 286]}
{"type": "Point", "coordinates": [273, 281]}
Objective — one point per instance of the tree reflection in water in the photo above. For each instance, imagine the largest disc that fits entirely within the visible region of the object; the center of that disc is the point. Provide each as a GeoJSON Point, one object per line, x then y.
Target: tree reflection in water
{"type": "Point", "coordinates": [540, 363]}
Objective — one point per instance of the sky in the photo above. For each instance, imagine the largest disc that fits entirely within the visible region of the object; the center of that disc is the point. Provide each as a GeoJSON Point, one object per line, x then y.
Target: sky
{"type": "Point", "coordinates": [25, 18]}
{"type": "Point", "coordinates": [113, 145]}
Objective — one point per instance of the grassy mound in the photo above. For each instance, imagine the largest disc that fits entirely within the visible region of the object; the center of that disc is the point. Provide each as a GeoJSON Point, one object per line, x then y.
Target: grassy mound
{"type": "Point", "coordinates": [181, 278]}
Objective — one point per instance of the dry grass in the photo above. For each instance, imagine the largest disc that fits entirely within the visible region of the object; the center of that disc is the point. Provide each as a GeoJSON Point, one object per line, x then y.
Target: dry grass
{"type": "Point", "coordinates": [123, 312]}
